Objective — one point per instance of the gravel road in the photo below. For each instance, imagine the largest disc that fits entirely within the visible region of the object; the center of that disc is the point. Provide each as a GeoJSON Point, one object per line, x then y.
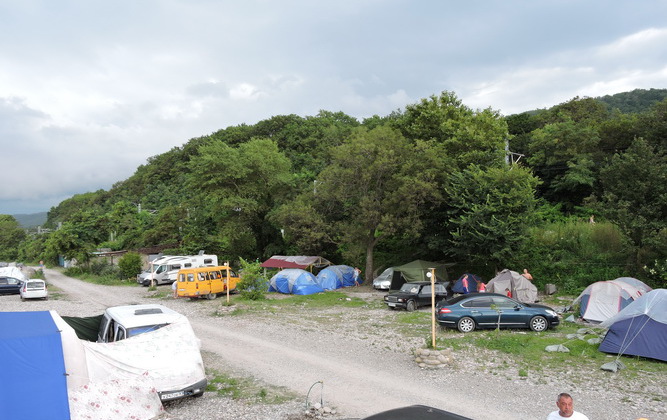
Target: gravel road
{"type": "Point", "coordinates": [364, 364]}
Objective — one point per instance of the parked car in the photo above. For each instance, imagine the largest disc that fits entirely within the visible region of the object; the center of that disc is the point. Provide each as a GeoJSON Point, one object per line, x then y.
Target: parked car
{"type": "Point", "coordinates": [34, 289]}
{"type": "Point", "coordinates": [491, 310]}
{"type": "Point", "coordinates": [175, 375]}
{"type": "Point", "coordinates": [10, 286]}
{"type": "Point", "coordinates": [412, 295]}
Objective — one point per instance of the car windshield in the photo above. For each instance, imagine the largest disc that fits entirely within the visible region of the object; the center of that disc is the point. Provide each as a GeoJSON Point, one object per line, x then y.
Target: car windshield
{"type": "Point", "coordinates": [410, 288]}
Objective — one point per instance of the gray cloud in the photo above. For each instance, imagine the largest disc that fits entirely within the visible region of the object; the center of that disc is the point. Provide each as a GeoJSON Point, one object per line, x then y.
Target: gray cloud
{"type": "Point", "coordinates": [90, 90]}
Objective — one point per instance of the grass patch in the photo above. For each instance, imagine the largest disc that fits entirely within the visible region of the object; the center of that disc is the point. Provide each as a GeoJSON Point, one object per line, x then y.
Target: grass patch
{"type": "Point", "coordinates": [277, 302]}
{"type": "Point", "coordinates": [247, 389]}
{"type": "Point", "coordinates": [525, 350]}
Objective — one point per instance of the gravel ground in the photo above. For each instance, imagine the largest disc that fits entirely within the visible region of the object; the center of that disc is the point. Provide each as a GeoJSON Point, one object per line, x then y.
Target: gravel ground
{"type": "Point", "coordinates": [363, 361]}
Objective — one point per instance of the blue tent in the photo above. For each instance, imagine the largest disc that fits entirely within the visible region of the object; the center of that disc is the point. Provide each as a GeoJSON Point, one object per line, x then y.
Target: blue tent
{"type": "Point", "coordinates": [640, 329]}
{"type": "Point", "coordinates": [473, 281]}
{"type": "Point", "coordinates": [330, 278]}
{"type": "Point", "coordinates": [294, 281]}
{"type": "Point", "coordinates": [33, 361]}
{"type": "Point", "coordinates": [337, 276]}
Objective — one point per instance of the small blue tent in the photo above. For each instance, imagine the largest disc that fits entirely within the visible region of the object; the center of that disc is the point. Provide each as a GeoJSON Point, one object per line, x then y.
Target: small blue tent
{"type": "Point", "coordinates": [473, 281]}
{"type": "Point", "coordinates": [33, 362]}
{"type": "Point", "coordinates": [329, 279]}
{"type": "Point", "coordinates": [640, 329]}
{"type": "Point", "coordinates": [294, 281]}
{"type": "Point", "coordinates": [337, 276]}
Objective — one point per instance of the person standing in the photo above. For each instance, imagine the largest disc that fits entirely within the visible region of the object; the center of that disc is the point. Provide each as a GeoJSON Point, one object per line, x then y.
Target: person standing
{"type": "Point", "coordinates": [357, 273]}
{"type": "Point", "coordinates": [174, 288]}
{"type": "Point", "coordinates": [565, 410]}
{"type": "Point", "coordinates": [464, 283]}
{"type": "Point", "coordinates": [527, 275]}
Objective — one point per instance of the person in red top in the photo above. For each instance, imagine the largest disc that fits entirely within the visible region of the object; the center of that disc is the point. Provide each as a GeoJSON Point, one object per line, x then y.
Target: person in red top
{"type": "Point", "coordinates": [508, 292]}
{"type": "Point", "coordinates": [481, 287]}
{"type": "Point", "coordinates": [464, 283]}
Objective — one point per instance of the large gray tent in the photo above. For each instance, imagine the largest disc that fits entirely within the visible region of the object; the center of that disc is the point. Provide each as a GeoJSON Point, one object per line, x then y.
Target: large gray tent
{"type": "Point", "coordinates": [522, 289]}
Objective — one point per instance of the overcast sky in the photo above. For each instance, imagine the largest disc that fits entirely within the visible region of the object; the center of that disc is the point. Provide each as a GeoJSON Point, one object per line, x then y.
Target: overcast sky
{"type": "Point", "coordinates": [89, 90]}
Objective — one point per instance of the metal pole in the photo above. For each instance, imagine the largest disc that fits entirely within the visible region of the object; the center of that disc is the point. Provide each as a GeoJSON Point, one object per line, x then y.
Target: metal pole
{"type": "Point", "coordinates": [433, 307]}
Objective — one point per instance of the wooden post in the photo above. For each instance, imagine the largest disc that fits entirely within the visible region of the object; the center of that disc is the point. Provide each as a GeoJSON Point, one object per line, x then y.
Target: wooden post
{"type": "Point", "coordinates": [227, 281]}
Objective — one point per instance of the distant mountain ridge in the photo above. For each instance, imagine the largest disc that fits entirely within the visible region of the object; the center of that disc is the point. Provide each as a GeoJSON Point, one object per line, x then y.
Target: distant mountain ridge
{"type": "Point", "coordinates": [636, 101]}
{"type": "Point", "coordinates": [32, 220]}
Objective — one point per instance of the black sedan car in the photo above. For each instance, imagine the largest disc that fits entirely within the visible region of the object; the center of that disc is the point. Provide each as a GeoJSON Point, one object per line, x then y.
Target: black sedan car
{"type": "Point", "coordinates": [10, 285]}
{"type": "Point", "coordinates": [491, 310]}
{"type": "Point", "coordinates": [415, 294]}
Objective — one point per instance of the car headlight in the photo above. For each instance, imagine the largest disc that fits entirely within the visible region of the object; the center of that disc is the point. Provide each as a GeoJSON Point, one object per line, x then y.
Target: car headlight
{"type": "Point", "coordinates": [551, 312]}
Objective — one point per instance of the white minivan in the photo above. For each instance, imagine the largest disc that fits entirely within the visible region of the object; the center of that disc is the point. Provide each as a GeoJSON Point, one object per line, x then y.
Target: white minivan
{"type": "Point", "coordinates": [170, 353]}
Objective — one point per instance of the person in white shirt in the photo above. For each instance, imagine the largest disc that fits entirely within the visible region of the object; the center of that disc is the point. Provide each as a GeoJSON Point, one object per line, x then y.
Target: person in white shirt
{"type": "Point", "coordinates": [565, 410]}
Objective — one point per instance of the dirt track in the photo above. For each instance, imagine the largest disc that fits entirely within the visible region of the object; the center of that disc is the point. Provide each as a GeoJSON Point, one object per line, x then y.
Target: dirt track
{"type": "Point", "coordinates": [365, 366]}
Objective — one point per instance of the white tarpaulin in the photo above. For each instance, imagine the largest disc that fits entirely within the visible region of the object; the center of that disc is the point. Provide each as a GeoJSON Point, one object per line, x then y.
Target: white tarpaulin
{"type": "Point", "coordinates": [120, 380]}
{"type": "Point", "coordinates": [169, 357]}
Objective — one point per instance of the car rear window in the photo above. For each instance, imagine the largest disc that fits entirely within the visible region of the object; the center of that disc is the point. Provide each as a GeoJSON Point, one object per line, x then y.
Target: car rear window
{"type": "Point", "coordinates": [35, 285]}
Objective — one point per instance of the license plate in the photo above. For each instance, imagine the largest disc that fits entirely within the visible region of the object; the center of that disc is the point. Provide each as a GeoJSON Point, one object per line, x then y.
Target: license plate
{"type": "Point", "coordinates": [391, 304]}
{"type": "Point", "coordinates": [172, 395]}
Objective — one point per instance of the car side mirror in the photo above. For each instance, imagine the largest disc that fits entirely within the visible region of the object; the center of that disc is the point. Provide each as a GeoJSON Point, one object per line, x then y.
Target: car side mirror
{"type": "Point", "coordinates": [517, 307]}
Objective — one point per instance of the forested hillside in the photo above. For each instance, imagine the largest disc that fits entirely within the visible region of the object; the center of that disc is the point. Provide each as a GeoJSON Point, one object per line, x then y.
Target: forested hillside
{"type": "Point", "coordinates": [433, 181]}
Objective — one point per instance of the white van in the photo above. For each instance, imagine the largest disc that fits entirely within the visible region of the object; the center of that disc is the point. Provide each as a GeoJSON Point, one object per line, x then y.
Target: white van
{"type": "Point", "coordinates": [170, 354]}
{"type": "Point", "coordinates": [163, 270]}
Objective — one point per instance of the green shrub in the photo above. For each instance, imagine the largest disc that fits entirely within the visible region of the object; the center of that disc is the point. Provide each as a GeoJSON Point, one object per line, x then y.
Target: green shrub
{"type": "Point", "coordinates": [129, 265]}
{"type": "Point", "coordinates": [573, 254]}
{"type": "Point", "coordinates": [253, 284]}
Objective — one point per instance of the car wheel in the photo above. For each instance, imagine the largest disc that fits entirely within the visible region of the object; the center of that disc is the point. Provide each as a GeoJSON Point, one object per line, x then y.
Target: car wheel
{"type": "Point", "coordinates": [22, 299]}
{"type": "Point", "coordinates": [211, 296]}
{"type": "Point", "coordinates": [410, 306]}
{"type": "Point", "coordinates": [538, 323]}
{"type": "Point", "coordinates": [466, 324]}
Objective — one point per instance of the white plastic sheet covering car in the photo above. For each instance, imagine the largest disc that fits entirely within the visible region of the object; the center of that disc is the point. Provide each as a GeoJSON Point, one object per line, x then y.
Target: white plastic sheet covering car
{"type": "Point", "coordinates": [119, 380]}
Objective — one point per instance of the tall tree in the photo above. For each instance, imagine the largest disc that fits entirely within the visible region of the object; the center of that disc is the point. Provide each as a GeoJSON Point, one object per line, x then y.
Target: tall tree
{"type": "Point", "coordinates": [634, 197]}
{"type": "Point", "coordinates": [491, 210]}
{"type": "Point", "coordinates": [563, 155]}
{"type": "Point", "coordinates": [468, 137]}
{"type": "Point", "coordinates": [11, 236]}
{"type": "Point", "coordinates": [236, 188]}
{"type": "Point", "coordinates": [378, 185]}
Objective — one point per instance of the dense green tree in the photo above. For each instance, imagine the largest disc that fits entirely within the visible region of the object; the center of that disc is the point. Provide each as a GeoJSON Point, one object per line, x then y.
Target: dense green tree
{"type": "Point", "coordinates": [378, 185]}
{"type": "Point", "coordinates": [490, 211]}
{"type": "Point", "coordinates": [469, 137]}
{"type": "Point", "coordinates": [11, 236]}
{"type": "Point", "coordinates": [634, 197]}
{"type": "Point", "coordinates": [587, 111]}
{"type": "Point", "coordinates": [238, 187]}
{"type": "Point", "coordinates": [77, 238]}
{"type": "Point", "coordinates": [563, 156]}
